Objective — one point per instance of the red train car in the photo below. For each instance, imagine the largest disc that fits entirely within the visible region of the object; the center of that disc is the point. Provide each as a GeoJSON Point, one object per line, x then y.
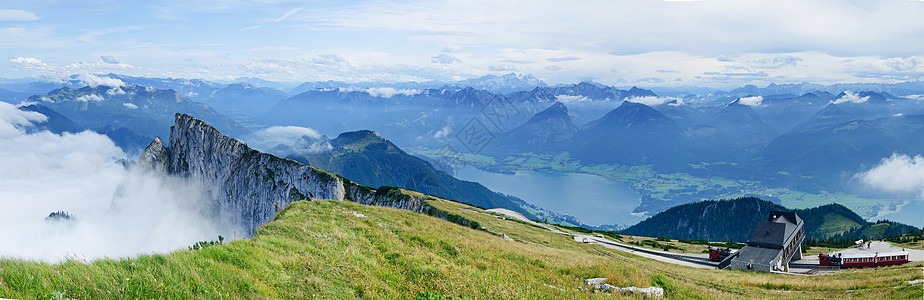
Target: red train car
{"type": "Point", "coordinates": [716, 254]}
{"type": "Point", "coordinates": [863, 259]}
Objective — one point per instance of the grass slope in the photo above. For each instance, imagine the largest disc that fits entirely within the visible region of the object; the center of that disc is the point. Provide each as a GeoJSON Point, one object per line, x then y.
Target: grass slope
{"type": "Point", "coordinates": [829, 220]}
{"type": "Point", "coordinates": [330, 249]}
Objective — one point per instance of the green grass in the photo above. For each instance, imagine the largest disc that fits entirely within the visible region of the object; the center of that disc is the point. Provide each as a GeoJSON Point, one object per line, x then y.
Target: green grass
{"type": "Point", "coordinates": [835, 224]}
{"type": "Point", "coordinates": [320, 249]}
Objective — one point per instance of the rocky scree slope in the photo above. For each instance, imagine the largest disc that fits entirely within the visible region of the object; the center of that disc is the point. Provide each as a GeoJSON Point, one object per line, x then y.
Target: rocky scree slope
{"type": "Point", "coordinates": [249, 187]}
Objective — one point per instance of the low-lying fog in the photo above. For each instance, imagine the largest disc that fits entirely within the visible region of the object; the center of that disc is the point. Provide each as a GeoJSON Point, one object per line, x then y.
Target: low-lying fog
{"type": "Point", "coordinates": [118, 209]}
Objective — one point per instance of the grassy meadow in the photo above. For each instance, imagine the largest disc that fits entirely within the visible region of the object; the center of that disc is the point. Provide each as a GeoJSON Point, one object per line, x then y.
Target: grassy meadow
{"type": "Point", "coordinates": [337, 250]}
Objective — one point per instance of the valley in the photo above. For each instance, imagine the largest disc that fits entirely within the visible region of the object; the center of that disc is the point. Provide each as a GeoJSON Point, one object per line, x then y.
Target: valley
{"type": "Point", "coordinates": [660, 191]}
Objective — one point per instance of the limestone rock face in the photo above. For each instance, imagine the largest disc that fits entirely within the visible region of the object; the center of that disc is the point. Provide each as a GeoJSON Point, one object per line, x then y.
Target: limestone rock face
{"type": "Point", "coordinates": [249, 187]}
{"type": "Point", "coordinates": [155, 156]}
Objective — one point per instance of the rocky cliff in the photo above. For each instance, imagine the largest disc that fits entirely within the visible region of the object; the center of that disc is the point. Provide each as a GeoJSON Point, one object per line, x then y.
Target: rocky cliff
{"type": "Point", "coordinates": [249, 187]}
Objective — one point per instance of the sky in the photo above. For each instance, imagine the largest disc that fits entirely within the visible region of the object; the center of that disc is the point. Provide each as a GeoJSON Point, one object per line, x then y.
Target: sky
{"type": "Point", "coordinates": [640, 42]}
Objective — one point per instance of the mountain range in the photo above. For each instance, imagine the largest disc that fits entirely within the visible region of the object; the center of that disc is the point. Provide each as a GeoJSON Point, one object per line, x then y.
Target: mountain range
{"type": "Point", "coordinates": [130, 111]}
{"type": "Point", "coordinates": [250, 187]}
{"type": "Point", "coordinates": [371, 160]}
{"type": "Point", "coordinates": [810, 140]}
{"type": "Point", "coordinates": [827, 147]}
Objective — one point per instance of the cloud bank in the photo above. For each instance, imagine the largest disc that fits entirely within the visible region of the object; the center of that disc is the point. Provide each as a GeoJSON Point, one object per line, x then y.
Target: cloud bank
{"type": "Point", "coordinates": [751, 101]}
{"type": "Point", "coordinates": [289, 140]}
{"type": "Point", "coordinates": [17, 15]}
{"type": "Point", "coordinates": [118, 210]}
{"type": "Point", "coordinates": [652, 100]}
{"type": "Point", "coordinates": [899, 173]}
{"type": "Point", "coordinates": [89, 98]}
{"type": "Point", "coordinates": [850, 97]}
{"type": "Point", "coordinates": [571, 99]}
{"type": "Point", "coordinates": [383, 92]}
{"type": "Point", "coordinates": [96, 81]}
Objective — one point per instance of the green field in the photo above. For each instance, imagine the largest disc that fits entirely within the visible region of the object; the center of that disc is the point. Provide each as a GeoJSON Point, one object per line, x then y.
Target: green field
{"type": "Point", "coordinates": [342, 250]}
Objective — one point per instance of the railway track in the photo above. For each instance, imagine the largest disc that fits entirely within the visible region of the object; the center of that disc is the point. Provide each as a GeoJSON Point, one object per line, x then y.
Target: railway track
{"type": "Point", "coordinates": [675, 256]}
{"type": "Point", "coordinates": [813, 268]}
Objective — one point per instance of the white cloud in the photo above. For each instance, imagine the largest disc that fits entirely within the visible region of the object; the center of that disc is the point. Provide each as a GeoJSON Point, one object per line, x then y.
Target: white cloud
{"type": "Point", "coordinates": [445, 59]}
{"type": "Point", "coordinates": [384, 92]}
{"type": "Point", "coordinates": [29, 63]}
{"type": "Point", "coordinates": [850, 97]}
{"type": "Point", "coordinates": [289, 13]}
{"type": "Point", "coordinates": [443, 132]}
{"type": "Point", "coordinates": [109, 59]}
{"type": "Point", "coordinates": [41, 69]}
{"type": "Point", "coordinates": [898, 173]}
{"type": "Point", "coordinates": [388, 92]}
{"type": "Point", "coordinates": [652, 100]}
{"type": "Point", "coordinates": [13, 120]}
{"type": "Point", "coordinates": [777, 62]}
{"type": "Point", "coordinates": [17, 15]}
{"type": "Point", "coordinates": [710, 27]}
{"type": "Point", "coordinates": [563, 58]}
{"type": "Point", "coordinates": [292, 132]}
{"type": "Point", "coordinates": [297, 140]}
{"type": "Point", "coordinates": [115, 91]}
{"type": "Point", "coordinates": [95, 81]}
{"type": "Point", "coordinates": [825, 43]}
{"type": "Point", "coordinates": [902, 63]}
{"type": "Point", "coordinates": [118, 211]}
{"type": "Point", "coordinates": [89, 98]}
{"type": "Point", "coordinates": [751, 101]}
{"type": "Point", "coordinates": [130, 105]}
{"type": "Point", "coordinates": [250, 28]}
{"type": "Point", "coordinates": [570, 98]}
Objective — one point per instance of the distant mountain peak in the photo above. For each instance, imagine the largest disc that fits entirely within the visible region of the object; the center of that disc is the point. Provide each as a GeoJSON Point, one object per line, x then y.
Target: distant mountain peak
{"type": "Point", "coordinates": [738, 109]}
{"type": "Point", "coordinates": [862, 97]}
{"type": "Point", "coordinates": [472, 97]}
{"type": "Point", "coordinates": [632, 114]}
{"type": "Point", "coordinates": [831, 110]}
{"type": "Point", "coordinates": [357, 137]}
{"type": "Point", "coordinates": [744, 123]}
{"type": "Point", "coordinates": [549, 129]}
{"type": "Point", "coordinates": [556, 111]}
{"type": "Point", "coordinates": [639, 92]}
{"type": "Point", "coordinates": [626, 105]}
{"type": "Point", "coordinates": [830, 115]}
{"type": "Point", "coordinates": [505, 83]}
{"type": "Point", "coordinates": [635, 89]}
{"type": "Point", "coordinates": [242, 85]}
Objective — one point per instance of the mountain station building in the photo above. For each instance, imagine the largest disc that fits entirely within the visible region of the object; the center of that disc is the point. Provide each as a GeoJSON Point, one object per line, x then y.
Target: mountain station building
{"type": "Point", "coordinates": [774, 243]}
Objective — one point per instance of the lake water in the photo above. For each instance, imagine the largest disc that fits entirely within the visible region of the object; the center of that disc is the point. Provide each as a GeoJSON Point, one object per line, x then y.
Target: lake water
{"type": "Point", "coordinates": [911, 213]}
{"type": "Point", "coordinates": [592, 199]}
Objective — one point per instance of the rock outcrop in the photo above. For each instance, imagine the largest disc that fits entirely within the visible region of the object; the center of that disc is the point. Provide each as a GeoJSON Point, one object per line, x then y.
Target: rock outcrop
{"type": "Point", "coordinates": [649, 292]}
{"type": "Point", "coordinates": [249, 187]}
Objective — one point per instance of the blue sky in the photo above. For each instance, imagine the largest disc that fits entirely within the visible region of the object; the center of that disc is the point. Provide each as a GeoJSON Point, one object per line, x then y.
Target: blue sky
{"type": "Point", "coordinates": [639, 42]}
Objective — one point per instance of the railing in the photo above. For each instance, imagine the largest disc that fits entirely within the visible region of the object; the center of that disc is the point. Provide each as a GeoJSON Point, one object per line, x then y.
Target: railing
{"type": "Point", "coordinates": [727, 261]}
